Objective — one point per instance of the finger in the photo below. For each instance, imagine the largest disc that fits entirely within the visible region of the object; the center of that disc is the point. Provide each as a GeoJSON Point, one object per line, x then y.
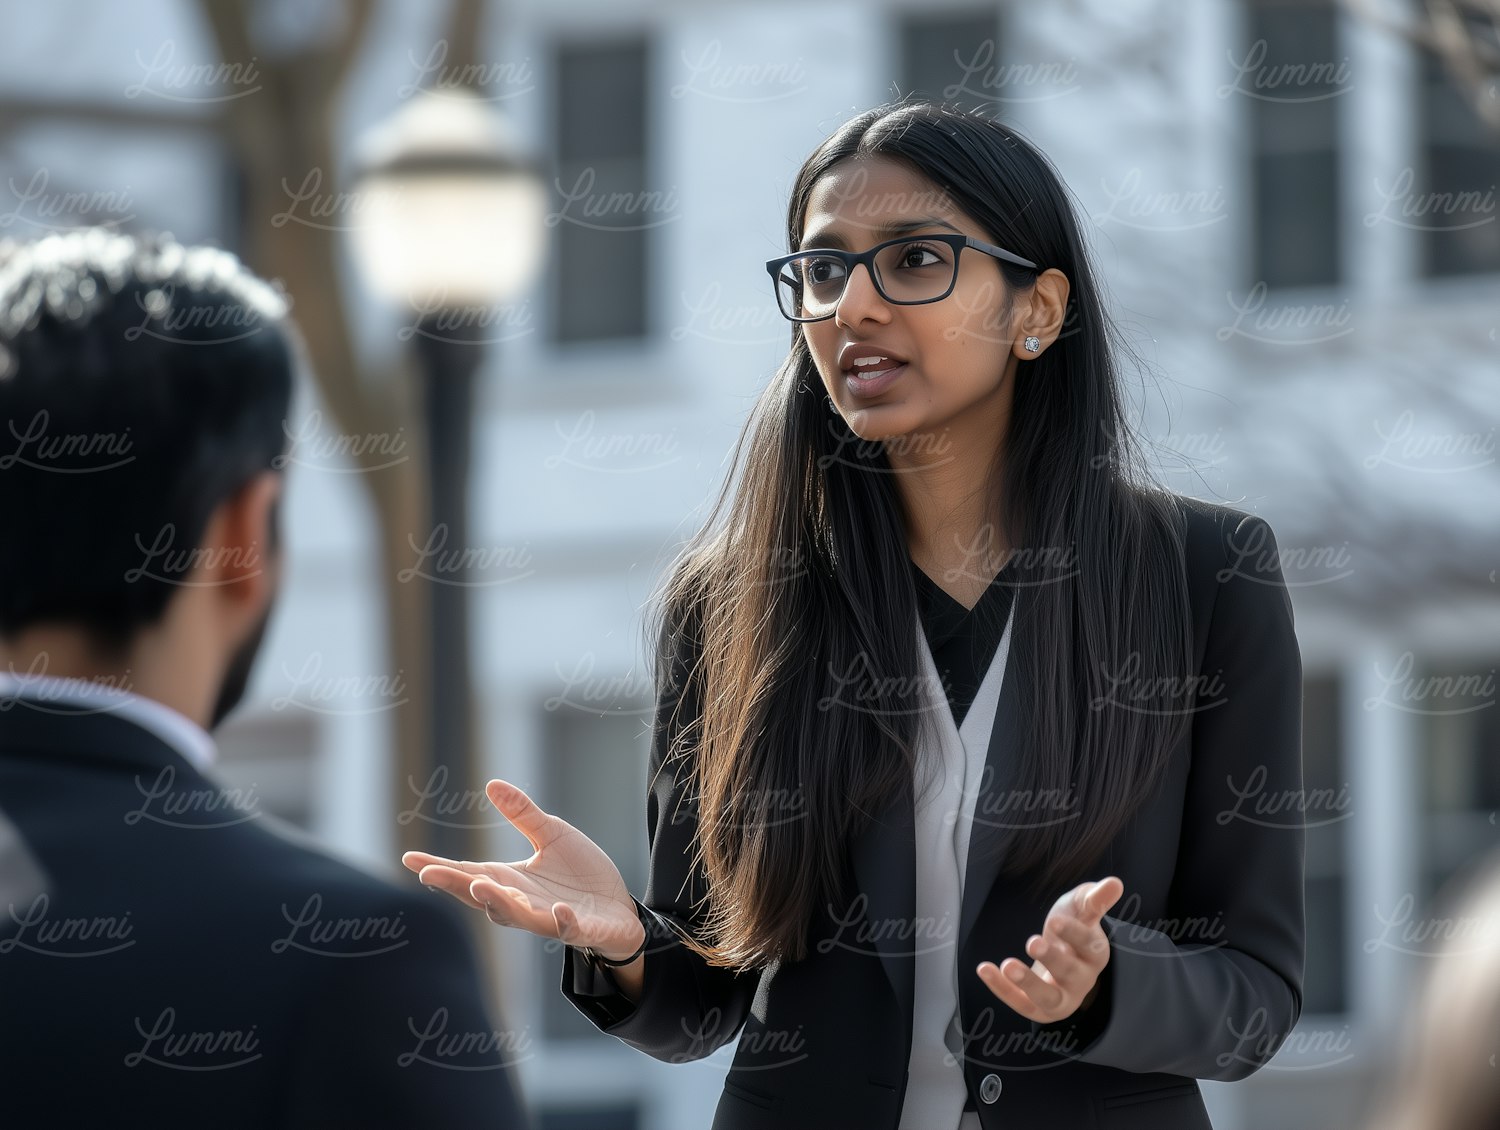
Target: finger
{"type": "Point", "coordinates": [1087, 943]}
{"type": "Point", "coordinates": [520, 810]}
{"type": "Point", "coordinates": [487, 889]}
{"type": "Point", "coordinates": [506, 906]}
{"type": "Point", "coordinates": [1060, 965]}
{"type": "Point", "coordinates": [1096, 898]}
{"type": "Point", "coordinates": [451, 880]}
{"type": "Point", "coordinates": [1032, 997]}
{"type": "Point", "coordinates": [504, 910]}
{"type": "Point", "coordinates": [569, 931]}
{"type": "Point", "coordinates": [416, 860]}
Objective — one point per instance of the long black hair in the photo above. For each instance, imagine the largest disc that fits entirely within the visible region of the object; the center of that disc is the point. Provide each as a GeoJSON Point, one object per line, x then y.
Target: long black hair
{"type": "Point", "coordinates": [802, 575]}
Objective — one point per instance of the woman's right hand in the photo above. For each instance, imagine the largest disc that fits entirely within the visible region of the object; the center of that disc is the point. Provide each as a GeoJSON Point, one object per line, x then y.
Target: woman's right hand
{"type": "Point", "coordinates": [569, 889]}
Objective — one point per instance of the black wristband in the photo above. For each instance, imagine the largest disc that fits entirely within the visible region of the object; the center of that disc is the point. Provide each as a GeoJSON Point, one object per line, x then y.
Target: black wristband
{"type": "Point", "coordinates": [595, 956]}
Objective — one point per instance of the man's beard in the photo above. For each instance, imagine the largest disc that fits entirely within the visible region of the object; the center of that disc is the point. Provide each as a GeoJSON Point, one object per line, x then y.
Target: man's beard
{"type": "Point", "coordinates": [237, 676]}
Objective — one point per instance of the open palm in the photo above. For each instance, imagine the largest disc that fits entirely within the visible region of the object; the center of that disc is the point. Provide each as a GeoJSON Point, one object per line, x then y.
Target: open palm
{"type": "Point", "coordinates": [569, 889]}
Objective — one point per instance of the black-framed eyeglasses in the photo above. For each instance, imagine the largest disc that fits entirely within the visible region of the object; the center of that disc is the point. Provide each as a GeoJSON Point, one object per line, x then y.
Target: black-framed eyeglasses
{"type": "Point", "coordinates": [907, 271]}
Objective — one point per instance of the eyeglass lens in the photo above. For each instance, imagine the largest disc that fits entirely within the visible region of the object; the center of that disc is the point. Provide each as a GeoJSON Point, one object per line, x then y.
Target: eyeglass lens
{"type": "Point", "coordinates": [913, 271]}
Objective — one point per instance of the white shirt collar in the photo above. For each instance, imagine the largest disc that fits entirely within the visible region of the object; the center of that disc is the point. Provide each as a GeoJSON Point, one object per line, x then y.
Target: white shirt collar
{"type": "Point", "coordinates": [171, 726]}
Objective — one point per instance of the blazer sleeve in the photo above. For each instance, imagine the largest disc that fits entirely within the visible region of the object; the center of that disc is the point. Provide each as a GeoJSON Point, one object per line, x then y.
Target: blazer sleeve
{"type": "Point", "coordinates": [688, 1008]}
{"type": "Point", "coordinates": [1220, 1009]}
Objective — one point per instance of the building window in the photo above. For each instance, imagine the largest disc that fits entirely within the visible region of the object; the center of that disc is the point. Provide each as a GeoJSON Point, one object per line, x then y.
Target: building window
{"type": "Point", "coordinates": [1293, 79]}
{"type": "Point", "coordinates": [601, 271]}
{"type": "Point", "coordinates": [590, 1118]}
{"type": "Point", "coordinates": [267, 762]}
{"type": "Point", "coordinates": [952, 57]}
{"type": "Point", "coordinates": [1460, 769]}
{"type": "Point", "coordinates": [1453, 207]}
{"type": "Point", "coordinates": [593, 775]}
{"type": "Point", "coordinates": [1327, 814]}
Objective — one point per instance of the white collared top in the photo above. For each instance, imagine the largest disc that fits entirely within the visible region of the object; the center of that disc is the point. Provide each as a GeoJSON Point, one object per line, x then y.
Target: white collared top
{"type": "Point", "coordinates": [950, 771]}
{"type": "Point", "coordinates": [171, 726]}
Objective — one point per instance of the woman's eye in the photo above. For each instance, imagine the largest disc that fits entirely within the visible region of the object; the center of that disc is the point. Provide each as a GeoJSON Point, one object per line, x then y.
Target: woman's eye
{"type": "Point", "coordinates": [919, 255]}
{"type": "Point", "coordinates": [822, 270]}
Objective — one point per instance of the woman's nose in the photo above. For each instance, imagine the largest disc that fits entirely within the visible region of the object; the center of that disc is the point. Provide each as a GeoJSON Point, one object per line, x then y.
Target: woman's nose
{"type": "Point", "coordinates": [861, 299]}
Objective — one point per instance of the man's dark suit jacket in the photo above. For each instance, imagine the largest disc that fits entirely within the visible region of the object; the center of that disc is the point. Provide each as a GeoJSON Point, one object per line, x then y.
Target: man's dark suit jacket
{"type": "Point", "coordinates": [194, 962]}
{"type": "Point", "coordinates": [1204, 979]}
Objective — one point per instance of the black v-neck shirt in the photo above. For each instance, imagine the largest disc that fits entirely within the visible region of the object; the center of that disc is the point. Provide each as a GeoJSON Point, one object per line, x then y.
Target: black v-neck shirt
{"type": "Point", "coordinates": [963, 640]}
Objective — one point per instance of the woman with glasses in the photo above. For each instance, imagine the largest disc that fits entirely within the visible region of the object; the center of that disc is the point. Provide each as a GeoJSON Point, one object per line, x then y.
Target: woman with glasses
{"type": "Point", "coordinates": [973, 747]}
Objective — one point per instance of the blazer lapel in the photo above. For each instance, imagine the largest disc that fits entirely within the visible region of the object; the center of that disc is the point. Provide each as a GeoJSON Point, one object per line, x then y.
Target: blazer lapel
{"type": "Point", "coordinates": [883, 855]}
{"type": "Point", "coordinates": [995, 819]}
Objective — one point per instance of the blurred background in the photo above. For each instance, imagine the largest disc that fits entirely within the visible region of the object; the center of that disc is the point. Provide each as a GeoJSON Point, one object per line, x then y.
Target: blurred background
{"type": "Point", "coordinates": [524, 242]}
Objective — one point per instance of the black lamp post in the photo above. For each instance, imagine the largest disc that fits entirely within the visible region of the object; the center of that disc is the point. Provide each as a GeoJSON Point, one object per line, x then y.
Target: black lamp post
{"type": "Point", "coordinates": [453, 222]}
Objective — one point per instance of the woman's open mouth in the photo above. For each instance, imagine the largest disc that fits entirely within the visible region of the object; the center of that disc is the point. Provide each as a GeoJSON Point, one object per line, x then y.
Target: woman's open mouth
{"type": "Point", "coordinates": [873, 378]}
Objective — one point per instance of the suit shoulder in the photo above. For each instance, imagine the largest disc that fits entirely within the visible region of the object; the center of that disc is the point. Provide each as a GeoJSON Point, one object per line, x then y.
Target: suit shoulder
{"type": "Point", "coordinates": [1234, 564]}
{"type": "Point", "coordinates": [292, 860]}
{"type": "Point", "coordinates": [1212, 530]}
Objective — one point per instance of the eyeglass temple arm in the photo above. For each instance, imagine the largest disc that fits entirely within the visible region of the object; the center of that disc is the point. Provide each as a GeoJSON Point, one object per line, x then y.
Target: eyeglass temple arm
{"type": "Point", "coordinates": [1008, 256]}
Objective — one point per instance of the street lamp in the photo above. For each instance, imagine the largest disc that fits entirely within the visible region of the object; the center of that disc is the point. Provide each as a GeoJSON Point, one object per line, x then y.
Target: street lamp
{"type": "Point", "coordinates": [452, 221]}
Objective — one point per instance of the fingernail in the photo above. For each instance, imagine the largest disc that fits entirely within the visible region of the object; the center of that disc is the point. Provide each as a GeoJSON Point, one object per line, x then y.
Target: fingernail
{"type": "Point", "coordinates": [1015, 973]}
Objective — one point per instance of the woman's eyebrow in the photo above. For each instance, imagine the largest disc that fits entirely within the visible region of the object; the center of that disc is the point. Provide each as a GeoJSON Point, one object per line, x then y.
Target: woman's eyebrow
{"type": "Point", "coordinates": [830, 238]}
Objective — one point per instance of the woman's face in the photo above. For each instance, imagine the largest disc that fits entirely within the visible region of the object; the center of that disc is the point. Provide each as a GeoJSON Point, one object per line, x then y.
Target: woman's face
{"type": "Point", "coordinates": [946, 358]}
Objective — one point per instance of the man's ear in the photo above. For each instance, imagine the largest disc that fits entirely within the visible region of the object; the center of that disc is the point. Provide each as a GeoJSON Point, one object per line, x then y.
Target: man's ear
{"type": "Point", "coordinates": [239, 551]}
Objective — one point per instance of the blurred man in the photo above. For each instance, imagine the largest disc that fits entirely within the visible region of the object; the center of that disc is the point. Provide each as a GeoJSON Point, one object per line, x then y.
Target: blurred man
{"type": "Point", "coordinates": [170, 954]}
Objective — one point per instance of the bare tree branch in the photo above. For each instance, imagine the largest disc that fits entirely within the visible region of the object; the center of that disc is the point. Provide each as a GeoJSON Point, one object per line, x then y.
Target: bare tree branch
{"type": "Point", "coordinates": [345, 52]}
{"type": "Point", "coordinates": [282, 136]}
{"type": "Point", "coordinates": [465, 19]}
{"type": "Point", "coordinates": [1463, 34]}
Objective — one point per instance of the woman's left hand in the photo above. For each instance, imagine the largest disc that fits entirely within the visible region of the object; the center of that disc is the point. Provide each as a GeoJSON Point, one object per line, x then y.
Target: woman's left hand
{"type": "Point", "coordinates": [1075, 949]}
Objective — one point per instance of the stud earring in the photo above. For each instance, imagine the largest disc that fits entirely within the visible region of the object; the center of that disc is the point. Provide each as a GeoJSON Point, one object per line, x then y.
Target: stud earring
{"type": "Point", "coordinates": [1033, 344]}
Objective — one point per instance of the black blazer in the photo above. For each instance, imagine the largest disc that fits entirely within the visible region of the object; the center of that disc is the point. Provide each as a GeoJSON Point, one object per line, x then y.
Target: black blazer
{"type": "Point", "coordinates": [190, 962]}
{"type": "Point", "coordinates": [1204, 979]}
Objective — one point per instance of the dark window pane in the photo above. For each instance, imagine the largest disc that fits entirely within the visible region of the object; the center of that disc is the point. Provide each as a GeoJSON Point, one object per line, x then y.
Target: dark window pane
{"type": "Point", "coordinates": [1324, 780]}
{"type": "Point", "coordinates": [1294, 91]}
{"type": "Point", "coordinates": [952, 57]}
{"type": "Point", "coordinates": [1453, 204]}
{"type": "Point", "coordinates": [1485, 781]}
{"type": "Point", "coordinates": [590, 1118]}
{"type": "Point", "coordinates": [600, 276]}
{"type": "Point", "coordinates": [600, 284]}
{"type": "Point", "coordinates": [601, 101]}
{"type": "Point", "coordinates": [1459, 768]}
{"type": "Point", "coordinates": [594, 776]}
{"type": "Point", "coordinates": [1325, 980]}
{"type": "Point", "coordinates": [1327, 815]}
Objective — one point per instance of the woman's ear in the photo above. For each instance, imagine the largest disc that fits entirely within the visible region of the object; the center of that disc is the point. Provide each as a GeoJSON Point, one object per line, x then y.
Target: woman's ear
{"type": "Point", "coordinates": [1041, 314]}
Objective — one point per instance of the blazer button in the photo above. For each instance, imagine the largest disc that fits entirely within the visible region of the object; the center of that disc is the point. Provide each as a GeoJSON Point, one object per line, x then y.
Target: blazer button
{"type": "Point", "coordinates": [989, 1087]}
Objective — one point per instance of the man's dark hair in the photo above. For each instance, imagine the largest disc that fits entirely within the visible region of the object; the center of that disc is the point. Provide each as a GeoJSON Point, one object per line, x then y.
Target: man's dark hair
{"type": "Point", "coordinates": [142, 383]}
